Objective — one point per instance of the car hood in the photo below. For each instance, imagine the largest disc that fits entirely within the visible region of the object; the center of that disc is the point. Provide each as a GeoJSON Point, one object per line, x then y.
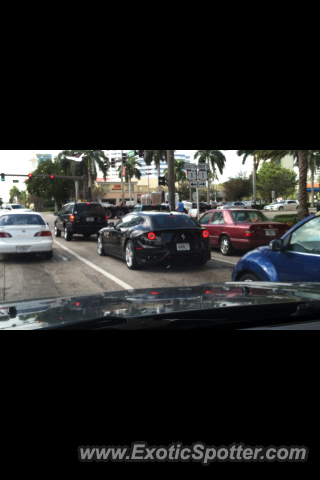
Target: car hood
{"type": "Point", "coordinates": [134, 304]}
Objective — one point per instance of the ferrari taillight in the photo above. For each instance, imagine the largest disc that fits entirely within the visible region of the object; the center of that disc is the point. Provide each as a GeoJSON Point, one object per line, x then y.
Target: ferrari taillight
{"type": "Point", "coordinates": [205, 234]}
{"type": "Point", "coordinates": [151, 236]}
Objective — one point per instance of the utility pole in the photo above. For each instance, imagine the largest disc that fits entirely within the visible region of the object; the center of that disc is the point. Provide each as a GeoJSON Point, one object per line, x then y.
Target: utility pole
{"type": "Point", "coordinates": [122, 184]}
{"type": "Point", "coordinates": [171, 180]}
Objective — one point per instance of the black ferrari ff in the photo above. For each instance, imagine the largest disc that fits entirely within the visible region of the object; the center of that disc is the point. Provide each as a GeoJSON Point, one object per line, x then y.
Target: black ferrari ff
{"type": "Point", "coordinates": [152, 237]}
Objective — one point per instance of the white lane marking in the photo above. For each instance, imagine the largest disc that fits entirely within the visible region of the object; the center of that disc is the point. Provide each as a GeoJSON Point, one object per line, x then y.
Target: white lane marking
{"type": "Point", "coordinates": [92, 265]}
{"type": "Point", "coordinates": [224, 261]}
{"type": "Point", "coordinates": [63, 258]}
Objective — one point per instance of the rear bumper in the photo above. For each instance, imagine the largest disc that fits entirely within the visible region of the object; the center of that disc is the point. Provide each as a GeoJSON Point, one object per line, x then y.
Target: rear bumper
{"type": "Point", "coordinates": [85, 229]}
{"type": "Point", "coordinates": [148, 256]}
{"type": "Point", "coordinates": [253, 243]}
{"type": "Point", "coordinates": [39, 247]}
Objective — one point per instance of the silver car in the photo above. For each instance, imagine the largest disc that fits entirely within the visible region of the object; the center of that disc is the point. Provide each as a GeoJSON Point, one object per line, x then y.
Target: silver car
{"type": "Point", "coordinates": [234, 205]}
{"type": "Point", "coordinates": [287, 205]}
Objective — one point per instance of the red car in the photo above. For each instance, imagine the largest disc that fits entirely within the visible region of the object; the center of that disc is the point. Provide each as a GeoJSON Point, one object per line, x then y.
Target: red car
{"type": "Point", "coordinates": [241, 229]}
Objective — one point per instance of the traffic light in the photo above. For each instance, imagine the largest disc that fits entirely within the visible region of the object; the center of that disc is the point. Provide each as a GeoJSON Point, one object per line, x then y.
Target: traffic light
{"type": "Point", "coordinates": [106, 165]}
{"type": "Point", "coordinates": [162, 181]}
{"type": "Point", "coordinates": [125, 158]}
{"type": "Point", "coordinates": [30, 177]}
{"type": "Point", "coordinates": [140, 153]}
{"type": "Point", "coordinates": [52, 178]}
{"type": "Point", "coordinates": [3, 177]}
{"type": "Point", "coordinates": [113, 163]}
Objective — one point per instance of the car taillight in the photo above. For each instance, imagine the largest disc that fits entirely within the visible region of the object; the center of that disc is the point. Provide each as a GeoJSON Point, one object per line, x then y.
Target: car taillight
{"type": "Point", "coordinates": [205, 234]}
{"type": "Point", "coordinates": [107, 218]}
{"type": "Point", "coordinates": [151, 236]}
{"type": "Point", "coordinates": [45, 233]}
{"type": "Point", "coordinates": [249, 233]}
{"type": "Point", "coordinates": [72, 218]}
{"type": "Point", "coordinates": [5, 235]}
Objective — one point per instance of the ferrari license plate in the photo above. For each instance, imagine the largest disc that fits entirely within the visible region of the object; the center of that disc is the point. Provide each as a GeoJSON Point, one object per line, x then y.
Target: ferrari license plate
{"type": "Point", "coordinates": [23, 249]}
{"type": "Point", "coordinates": [90, 219]}
{"type": "Point", "coordinates": [183, 247]}
{"type": "Point", "coordinates": [270, 233]}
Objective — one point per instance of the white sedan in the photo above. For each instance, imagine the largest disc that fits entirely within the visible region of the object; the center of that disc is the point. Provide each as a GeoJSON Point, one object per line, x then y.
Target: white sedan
{"type": "Point", "coordinates": [25, 233]}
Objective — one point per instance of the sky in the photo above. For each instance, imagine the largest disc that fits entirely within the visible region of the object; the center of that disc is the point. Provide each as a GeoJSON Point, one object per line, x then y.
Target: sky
{"type": "Point", "coordinates": [18, 161]}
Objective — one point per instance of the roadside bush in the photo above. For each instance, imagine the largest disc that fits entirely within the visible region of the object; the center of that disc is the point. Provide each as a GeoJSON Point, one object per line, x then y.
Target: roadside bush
{"type": "Point", "coordinates": [49, 204]}
{"type": "Point", "coordinates": [289, 219]}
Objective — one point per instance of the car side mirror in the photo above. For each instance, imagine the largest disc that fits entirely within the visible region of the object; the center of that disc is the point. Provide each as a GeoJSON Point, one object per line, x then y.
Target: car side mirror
{"type": "Point", "coordinates": [276, 245]}
{"type": "Point", "coordinates": [111, 224]}
{"type": "Point", "coordinates": [56, 214]}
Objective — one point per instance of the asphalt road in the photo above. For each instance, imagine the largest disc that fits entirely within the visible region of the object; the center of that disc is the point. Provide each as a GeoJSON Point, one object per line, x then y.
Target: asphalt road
{"type": "Point", "coordinates": [76, 268]}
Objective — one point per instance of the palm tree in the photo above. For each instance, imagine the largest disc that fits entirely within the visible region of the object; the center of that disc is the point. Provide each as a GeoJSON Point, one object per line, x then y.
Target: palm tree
{"type": "Point", "coordinates": [256, 162]}
{"type": "Point", "coordinates": [91, 162]}
{"type": "Point", "coordinates": [215, 159]}
{"type": "Point", "coordinates": [179, 171]}
{"type": "Point", "coordinates": [156, 156]}
{"type": "Point", "coordinates": [131, 171]}
{"type": "Point", "coordinates": [314, 164]}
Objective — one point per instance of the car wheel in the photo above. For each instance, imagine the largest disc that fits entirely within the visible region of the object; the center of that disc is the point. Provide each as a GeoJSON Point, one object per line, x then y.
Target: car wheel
{"type": "Point", "coordinates": [130, 256]}
{"type": "Point", "coordinates": [67, 235]}
{"type": "Point", "coordinates": [48, 255]}
{"type": "Point", "coordinates": [226, 246]}
{"type": "Point", "coordinates": [101, 251]}
{"type": "Point", "coordinates": [249, 277]}
{"type": "Point", "coordinates": [57, 232]}
{"type": "Point", "coordinates": [121, 214]}
{"type": "Point", "coordinates": [109, 213]}
{"type": "Point", "coordinates": [281, 208]}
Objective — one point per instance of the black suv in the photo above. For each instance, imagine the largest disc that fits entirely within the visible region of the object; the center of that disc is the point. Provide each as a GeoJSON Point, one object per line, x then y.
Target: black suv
{"type": "Point", "coordinates": [80, 219]}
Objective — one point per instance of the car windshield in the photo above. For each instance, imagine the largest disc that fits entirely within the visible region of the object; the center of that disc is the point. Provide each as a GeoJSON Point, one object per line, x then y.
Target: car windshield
{"type": "Point", "coordinates": [17, 220]}
{"type": "Point", "coordinates": [82, 228]}
{"type": "Point", "coordinates": [249, 217]}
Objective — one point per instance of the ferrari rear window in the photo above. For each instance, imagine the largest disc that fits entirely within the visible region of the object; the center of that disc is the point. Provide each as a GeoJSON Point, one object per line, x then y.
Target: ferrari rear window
{"type": "Point", "coordinates": [171, 221]}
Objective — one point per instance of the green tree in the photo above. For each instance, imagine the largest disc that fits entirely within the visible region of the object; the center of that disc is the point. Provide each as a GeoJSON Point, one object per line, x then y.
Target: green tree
{"type": "Point", "coordinates": [61, 189]}
{"type": "Point", "coordinates": [179, 171]}
{"type": "Point", "coordinates": [303, 164]}
{"type": "Point", "coordinates": [132, 170]}
{"type": "Point", "coordinates": [216, 159]}
{"type": "Point", "coordinates": [91, 162]}
{"type": "Point", "coordinates": [276, 178]}
{"type": "Point", "coordinates": [313, 165]}
{"type": "Point", "coordinates": [14, 195]}
{"type": "Point", "coordinates": [1, 202]}
{"type": "Point", "coordinates": [238, 187]}
{"type": "Point", "coordinates": [256, 162]}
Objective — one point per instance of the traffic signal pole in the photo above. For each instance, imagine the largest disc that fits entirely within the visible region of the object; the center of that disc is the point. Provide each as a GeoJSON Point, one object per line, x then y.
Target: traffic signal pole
{"type": "Point", "coordinates": [171, 180]}
{"type": "Point", "coordinates": [122, 184]}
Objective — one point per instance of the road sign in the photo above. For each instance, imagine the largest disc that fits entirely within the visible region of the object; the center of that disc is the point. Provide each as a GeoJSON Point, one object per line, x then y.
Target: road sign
{"type": "Point", "coordinates": [132, 153]}
{"type": "Point", "coordinates": [203, 175]}
{"type": "Point", "coordinates": [202, 184]}
{"type": "Point", "coordinates": [190, 166]}
{"type": "Point", "coordinates": [194, 184]}
{"type": "Point", "coordinates": [192, 175]}
{"type": "Point", "coordinates": [204, 166]}
{"type": "Point", "coordinates": [15, 181]}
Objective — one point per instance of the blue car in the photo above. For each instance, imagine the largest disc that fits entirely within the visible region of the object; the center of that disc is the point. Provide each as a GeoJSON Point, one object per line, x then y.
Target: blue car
{"type": "Point", "coordinates": [293, 258]}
